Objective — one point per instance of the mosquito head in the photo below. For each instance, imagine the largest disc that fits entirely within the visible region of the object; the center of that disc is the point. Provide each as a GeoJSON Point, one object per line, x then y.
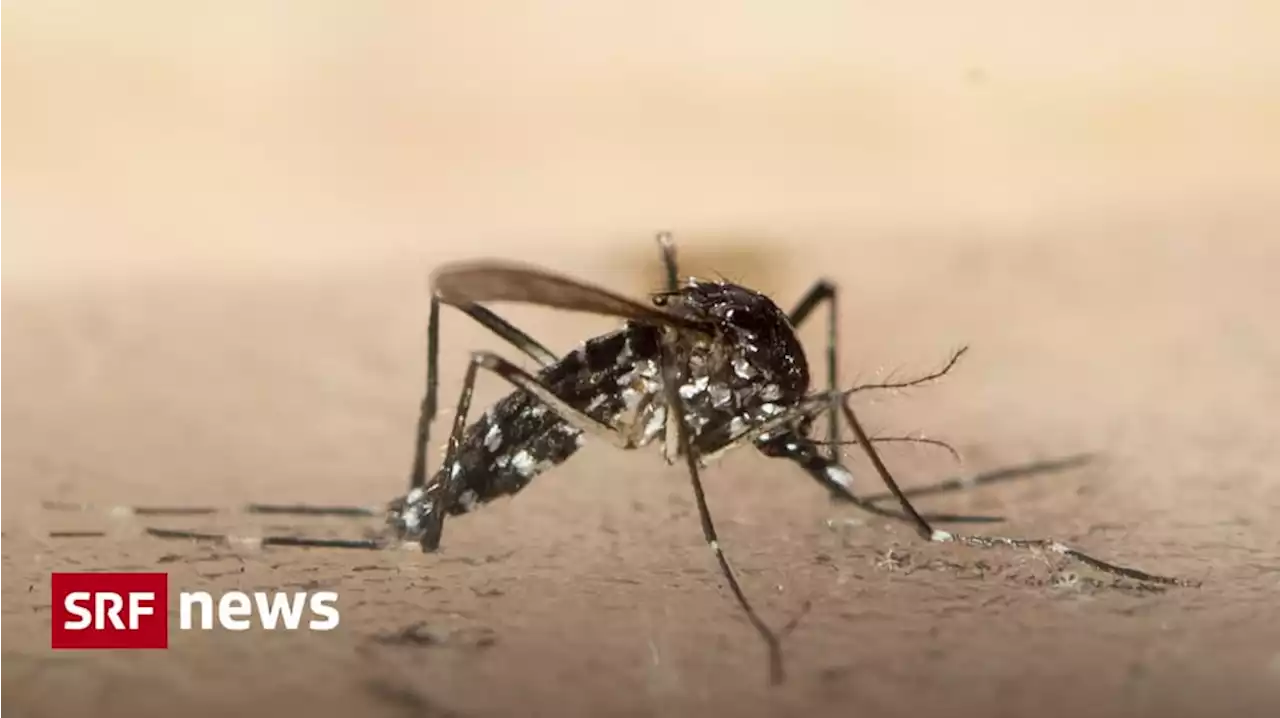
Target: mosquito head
{"type": "Point", "coordinates": [756, 345]}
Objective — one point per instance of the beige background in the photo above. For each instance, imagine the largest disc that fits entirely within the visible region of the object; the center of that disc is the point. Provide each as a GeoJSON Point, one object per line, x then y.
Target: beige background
{"type": "Point", "coordinates": [218, 222]}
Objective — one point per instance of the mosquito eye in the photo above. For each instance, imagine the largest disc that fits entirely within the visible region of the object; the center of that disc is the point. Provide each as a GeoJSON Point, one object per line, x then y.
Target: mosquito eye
{"type": "Point", "coordinates": [660, 300]}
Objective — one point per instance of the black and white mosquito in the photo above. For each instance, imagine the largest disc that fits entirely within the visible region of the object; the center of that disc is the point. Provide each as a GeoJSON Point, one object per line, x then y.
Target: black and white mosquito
{"type": "Point", "coordinates": [704, 368]}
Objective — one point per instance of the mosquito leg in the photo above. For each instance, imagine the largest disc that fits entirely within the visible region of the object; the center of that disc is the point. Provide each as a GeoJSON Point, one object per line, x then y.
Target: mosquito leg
{"type": "Point", "coordinates": [510, 333]}
{"type": "Point", "coordinates": [426, 524]}
{"type": "Point", "coordinates": [427, 414]}
{"type": "Point", "coordinates": [776, 438]}
{"type": "Point", "coordinates": [824, 291]}
{"type": "Point", "coordinates": [667, 247]}
{"type": "Point", "coordinates": [486, 318]}
{"type": "Point", "coordinates": [671, 383]}
{"type": "Point", "coordinates": [670, 270]}
{"type": "Point", "coordinates": [837, 479]}
{"type": "Point", "coordinates": [482, 315]}
{"type": "Point", "coordinates": [931, 534]}
{"type": "Point", "coordinates": [831, 472]}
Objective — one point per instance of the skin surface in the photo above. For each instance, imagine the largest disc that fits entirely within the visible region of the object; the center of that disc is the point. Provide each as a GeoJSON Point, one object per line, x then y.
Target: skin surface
{"type": "Point", "coordinates": [591, 592]}
{"type": "Point", "coordinates": [218, 229]}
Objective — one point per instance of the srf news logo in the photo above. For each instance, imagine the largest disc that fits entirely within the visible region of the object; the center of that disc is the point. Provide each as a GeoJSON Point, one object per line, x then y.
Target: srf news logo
{"type": "Point", "coordinates": [131, 610]}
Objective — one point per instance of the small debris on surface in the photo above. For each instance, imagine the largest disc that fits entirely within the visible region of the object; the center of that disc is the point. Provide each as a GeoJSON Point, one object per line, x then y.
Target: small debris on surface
{"type": "Point", "coordinates": [421, 635]}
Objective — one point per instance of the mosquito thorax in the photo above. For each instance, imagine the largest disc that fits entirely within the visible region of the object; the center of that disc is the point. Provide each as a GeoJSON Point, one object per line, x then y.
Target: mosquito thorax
{"type": "Point", "coordinates": [753, 367]}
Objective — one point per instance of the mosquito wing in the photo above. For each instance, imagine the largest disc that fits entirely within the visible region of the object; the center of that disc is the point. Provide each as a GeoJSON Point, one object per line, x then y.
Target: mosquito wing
{"type": "Point", "coordinates": [497, 281]}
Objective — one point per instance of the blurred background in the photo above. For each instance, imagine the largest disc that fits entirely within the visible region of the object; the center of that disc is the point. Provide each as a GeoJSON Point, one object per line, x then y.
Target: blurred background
{"type": "Point", "coordinates": [250, 196]}
{"type": "Point", "coordinates": [219, 219]}
{"type": "Point", "coordinates": [149, 139]}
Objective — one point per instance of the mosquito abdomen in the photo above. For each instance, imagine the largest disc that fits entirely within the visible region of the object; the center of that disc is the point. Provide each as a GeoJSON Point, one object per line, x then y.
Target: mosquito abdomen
{"type": "Point", "coordinates": [520, 437]}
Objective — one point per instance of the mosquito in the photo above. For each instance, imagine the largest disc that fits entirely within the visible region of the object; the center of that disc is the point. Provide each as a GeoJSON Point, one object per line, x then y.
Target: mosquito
{"type": "Point", "coordinates": [704, 368]}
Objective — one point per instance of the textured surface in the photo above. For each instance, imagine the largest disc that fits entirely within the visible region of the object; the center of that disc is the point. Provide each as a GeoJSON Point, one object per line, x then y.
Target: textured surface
{"type": "Point", "coordinates": [217, 233]}
{"type": "Point", "coordinates": [592, 590]}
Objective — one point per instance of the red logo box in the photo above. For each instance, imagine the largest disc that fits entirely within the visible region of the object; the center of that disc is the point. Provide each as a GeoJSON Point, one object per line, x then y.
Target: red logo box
{"type": "Point", "coordinates": [110, 610]}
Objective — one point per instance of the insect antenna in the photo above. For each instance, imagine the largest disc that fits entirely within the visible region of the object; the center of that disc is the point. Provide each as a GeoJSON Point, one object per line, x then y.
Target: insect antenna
{"type": "Point", "coordinates": [951, 363]}
{"type": "Point", "coordinates": [939, 443]}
